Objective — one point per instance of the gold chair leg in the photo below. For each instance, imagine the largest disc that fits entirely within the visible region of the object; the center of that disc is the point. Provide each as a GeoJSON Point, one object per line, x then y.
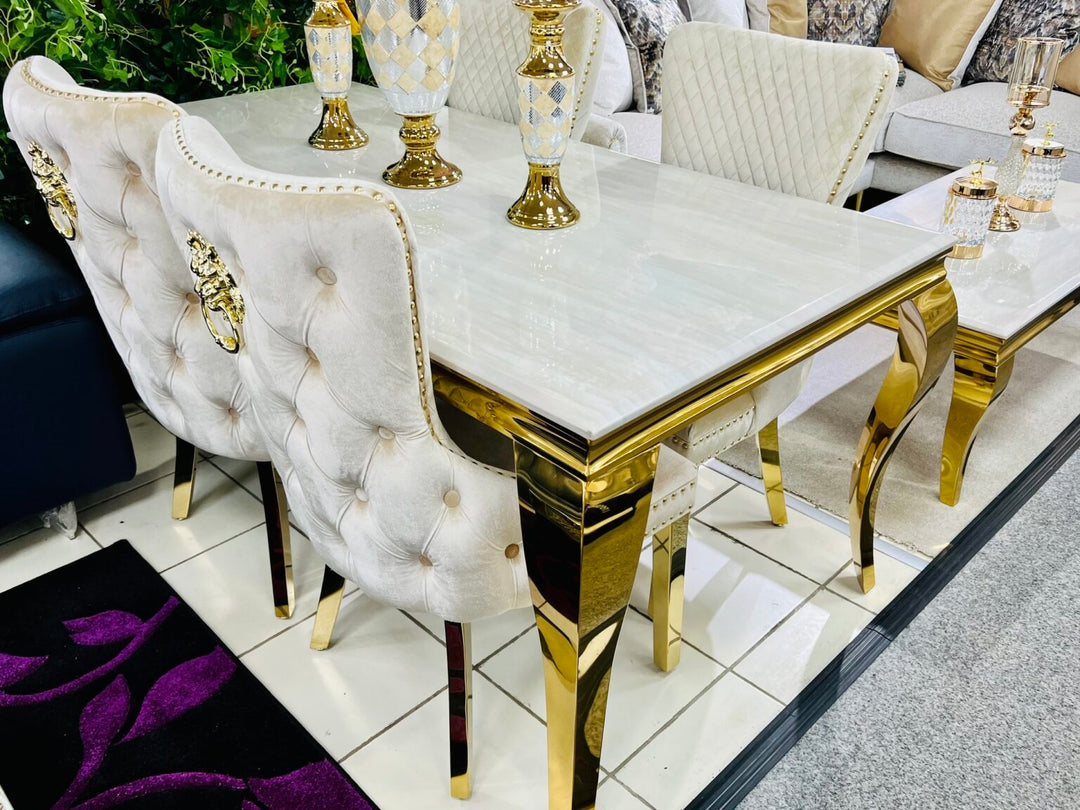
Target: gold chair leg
{"type": "Point", "coordinates": [183, 479]}
{"type": "Point", "coordinates": [858, 201]}
{"type": "Point", "coordinates": [976, 384]}
{"type": "Point", "coordinates": [333, 588]}
{"type": "Point", "coordinates": [582, 535]}
{"type": "Point", "coordinates": [925, 334]}
{"type": "Point", "coordinates": [666, 607]}
{"type": "Point", "coordinates": [278, 542]}
{"type": "Point", "coordinates": [769, 448]}
{"type": "Point", "coordinates": [459, 680]}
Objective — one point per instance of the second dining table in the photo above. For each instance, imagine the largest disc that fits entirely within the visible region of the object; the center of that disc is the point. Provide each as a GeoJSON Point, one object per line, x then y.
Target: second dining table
{"type": "Point", "coordinates": [590, 346]}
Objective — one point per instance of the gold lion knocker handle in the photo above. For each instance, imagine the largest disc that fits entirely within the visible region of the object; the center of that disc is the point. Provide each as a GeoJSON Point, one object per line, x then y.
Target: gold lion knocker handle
{"type": "Point", "coordinates": [54, 190]}
{"type": "Point", "coordinates": [217, 289]}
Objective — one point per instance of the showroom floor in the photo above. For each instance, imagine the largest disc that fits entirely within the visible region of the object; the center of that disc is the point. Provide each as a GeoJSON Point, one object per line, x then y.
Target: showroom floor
{"type": "Point", "coordinates": [766, 609]}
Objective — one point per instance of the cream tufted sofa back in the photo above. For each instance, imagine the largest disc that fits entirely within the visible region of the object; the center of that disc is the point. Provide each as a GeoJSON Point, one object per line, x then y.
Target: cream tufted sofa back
{"type": "Point", "coordinates": [495, 40]}
{"type": "Point", "coordinates": [777, 112]}
{"type": "Point", "coordinates": [104, 145]}
{"type": "Point", "coordinates": [335, 359]}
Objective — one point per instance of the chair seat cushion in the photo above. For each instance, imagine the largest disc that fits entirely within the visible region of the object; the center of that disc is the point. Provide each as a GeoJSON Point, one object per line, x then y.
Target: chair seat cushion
{"type": "Point", "coordinates": [673, 490]}
{"type": "Point", "coordinates": [969, 122]}
{"type": "Point", "coordinates": [35, 287]}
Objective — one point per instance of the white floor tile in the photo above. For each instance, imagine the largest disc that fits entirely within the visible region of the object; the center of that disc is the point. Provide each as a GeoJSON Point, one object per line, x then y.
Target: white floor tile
{"type": "Point", "coordinates": [641, 697]}
{"type": "Point", "coordinates": [488, 635]}
{"type": "Point", "coordinates": [806, 545]}
{"type": "Point", "coordinates": [408, 766]}
{"type": "Point", "coordinates": [891, 577]}
{"type": "Point", "coordinates": [613, 796]}
{"type": "Point", "coordinates": [733, 595]}
{"type": "Point", "coordinates": [229, 587]}
{"type": "Point", "coordinates": [801, 647]}
{"type": "Point", "coordinates": [38, 553]}
{"type": "Point", "coordinates": [155, 454]}
{"type": "Point", "coordinates": [380, 666]}
{"type": "Point", "coordinates": [683, 758]}
{"type": "Point", "coordinates": [243, 472]}
{"type": "Point", "coordinates": [710, 484]}
{"type": "Point", "coordinates": [220, 510]}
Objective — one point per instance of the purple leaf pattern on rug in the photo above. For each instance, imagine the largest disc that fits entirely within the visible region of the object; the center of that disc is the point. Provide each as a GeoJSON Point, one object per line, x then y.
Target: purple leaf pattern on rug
{"type": "Point", "coordinates": [104, 628]}
{"type": "Point", "coordinates": [318, 786]}
{"type": "Point", "coordinates": [181, 689]}
{"type": "Point", "coordinates": [13, 668]}
{"type": "Point", "coordinates": [99, 723]}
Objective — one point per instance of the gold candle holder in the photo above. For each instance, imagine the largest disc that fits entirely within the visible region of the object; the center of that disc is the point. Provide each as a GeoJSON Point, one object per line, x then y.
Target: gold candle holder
{"type": "Point", "coordinates": [1040, 174]}
{"type": "Point", "coordinates": [546, 94]}
{"type": "Point", "coordinates": [411, 46]}
{"type": "Point", "coordinates": [328, 33]}
{"type": "Point", "coordinates": [1033, 73]}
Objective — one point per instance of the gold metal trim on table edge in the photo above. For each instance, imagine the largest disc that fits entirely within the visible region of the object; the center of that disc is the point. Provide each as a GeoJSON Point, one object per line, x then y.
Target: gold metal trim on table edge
{"type": "Point", "coordinates": [591, 457]}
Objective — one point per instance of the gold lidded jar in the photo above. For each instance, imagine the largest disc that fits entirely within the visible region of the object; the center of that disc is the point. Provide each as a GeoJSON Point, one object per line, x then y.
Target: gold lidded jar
{"type": "Point", "coordinates": [968, 209]}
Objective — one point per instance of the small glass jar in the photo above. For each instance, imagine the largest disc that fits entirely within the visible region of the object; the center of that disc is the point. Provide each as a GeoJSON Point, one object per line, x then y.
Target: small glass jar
{"type": "Point", "coordinates": [967, 213]}
{"type": "Point", "coordinates": [1042, 164]}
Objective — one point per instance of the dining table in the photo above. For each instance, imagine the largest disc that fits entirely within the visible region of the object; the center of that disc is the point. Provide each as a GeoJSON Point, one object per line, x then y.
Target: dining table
{"type": "Point", "coordinates": [590, 346]}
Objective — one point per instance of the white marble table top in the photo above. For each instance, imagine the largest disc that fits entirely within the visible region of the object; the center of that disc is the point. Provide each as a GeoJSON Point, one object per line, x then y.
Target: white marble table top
{"type": "Point", "coordinates": [1020, 275]}
{"type": "Point", "coordinates": [671, 277]}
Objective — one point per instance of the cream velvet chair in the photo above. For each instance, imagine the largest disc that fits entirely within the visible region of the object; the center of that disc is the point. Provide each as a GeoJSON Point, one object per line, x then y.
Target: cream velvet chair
{"type": "Point", "coordinates": [794, 116]}
{"type": "Point", "coordinates": [94, 155]}
{"type": "Point", "coordinates": [333, 352]}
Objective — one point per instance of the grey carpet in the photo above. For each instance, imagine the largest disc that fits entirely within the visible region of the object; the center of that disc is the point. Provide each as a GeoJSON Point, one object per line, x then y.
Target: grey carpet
{"type": "Point", "coordinates": [819, 433]}
{"type": "Point", "coordinates": [977, 703]}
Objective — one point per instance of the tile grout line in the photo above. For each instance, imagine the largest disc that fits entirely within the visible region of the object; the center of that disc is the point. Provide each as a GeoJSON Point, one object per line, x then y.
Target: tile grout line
{"type": "Point", "coordinates": [242, 486]}
{"type": "Point", "coordinates": [631, 791]}
{"type": "Point", "coordinates": [705, 506]}
{"type": "Point", "coordinates": [512, 697]}
{"type": "Point", "coordinates": [491, 655]}
{"type": "Point", "coordinates": [385, 729]}
{"type": "Point", "coordinates": [200, 552]}
{"type": "Point", "coordinates": [745, 545]}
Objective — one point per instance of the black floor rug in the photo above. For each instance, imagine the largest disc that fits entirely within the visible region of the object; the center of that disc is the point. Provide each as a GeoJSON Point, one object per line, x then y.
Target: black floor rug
{"type": "Point", "coordinates": [113, 693]}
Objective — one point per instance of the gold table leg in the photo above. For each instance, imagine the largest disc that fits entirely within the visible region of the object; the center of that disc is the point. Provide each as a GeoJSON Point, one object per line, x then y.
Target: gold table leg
{"type": "Point", "coordinates": [976, 384]}
{"type": "Point", "coordinates": [333, 588]}
{"type": "Point", "coordinates": [278, 541]}
{"type": "Point", "coordinates": [666, 594]}
{"type": "Point", "coordinates": [183, 479]}
{"type": "Point", "coordinates": [769, 448]}
{"type": "Point", "coordinates": [582, 535]}
{"type": "Point", "coordinates": [925, 334]}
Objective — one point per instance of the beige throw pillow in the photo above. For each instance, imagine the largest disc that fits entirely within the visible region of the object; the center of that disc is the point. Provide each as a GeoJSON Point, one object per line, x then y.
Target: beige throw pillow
{"type": "Point", "coordinates": [934, 37]}
{"type": "Point", "coordinates": [1068, 75]}
{"type": "Point", "coordinates": [787, 17]}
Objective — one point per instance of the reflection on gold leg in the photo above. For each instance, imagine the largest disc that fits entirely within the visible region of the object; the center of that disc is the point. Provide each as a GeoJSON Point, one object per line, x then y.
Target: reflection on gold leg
{"type": "Point", "coordinates": [333, 587]}
{"type": "Point", "coordinates": [666, 594]}
{"type": "Point", "coordinates": [278, 542]}
{"type": "Point", "coordinates": [769, 448]}
{"type": "Point", "coordinates": [926, 329]}
{"type": "Point", "coordinates": [459, 680]}
{"type": "Point", "coordinates": [183, 480]}
{"type": "Point", "coordinates": [976, 384]}
{"type": "Point", "coordinates": [858, 201]}
{"type": "Point", "coordinates": [582, 536]}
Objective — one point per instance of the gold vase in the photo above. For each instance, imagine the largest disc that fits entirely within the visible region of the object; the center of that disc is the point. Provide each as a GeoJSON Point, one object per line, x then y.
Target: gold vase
{"type": "Point", "coordinates": [328, 33]}
{"type": "Point", "coordinates": [546, 95]}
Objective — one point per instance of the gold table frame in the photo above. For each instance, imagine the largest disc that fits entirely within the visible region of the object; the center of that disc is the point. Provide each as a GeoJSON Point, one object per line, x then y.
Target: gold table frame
{"type": "Point", "coordinates": [584, 503]}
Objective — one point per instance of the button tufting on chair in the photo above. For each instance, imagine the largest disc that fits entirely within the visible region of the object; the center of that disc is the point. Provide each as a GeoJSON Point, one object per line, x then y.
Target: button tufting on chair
{"type": "Point", "coordinates": [133, 169]}
{"type": "Point", "coordinates": [326, 275]}
{"type": "Point", "coordinates": [386, 433]}
{"type": "Point", "coordinates": [451, 498]}
{"type": "Point", "coordinates": [425, 561]}
{"type": "Point", "coordinates": [192, 299]}
{"type": "Point", "coordinates": [361, 495]}
{"type": "Point", "coordinates": [512, 551]}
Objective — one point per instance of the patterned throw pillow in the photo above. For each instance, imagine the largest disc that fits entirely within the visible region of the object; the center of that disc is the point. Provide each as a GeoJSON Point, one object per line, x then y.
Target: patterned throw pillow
{"type": "Point", "coordinates": [1021, 18]}
{"type": "Point", "coordinates": [856, 22]}
{"type": "Point", "coordinates": [646, 25]}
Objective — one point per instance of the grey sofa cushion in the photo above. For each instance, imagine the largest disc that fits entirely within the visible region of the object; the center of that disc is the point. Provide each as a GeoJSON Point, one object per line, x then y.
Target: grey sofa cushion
{"type": "Point", "coordinates": [915, 88]}
{"type": "Point", "coordinates": [971, 122]}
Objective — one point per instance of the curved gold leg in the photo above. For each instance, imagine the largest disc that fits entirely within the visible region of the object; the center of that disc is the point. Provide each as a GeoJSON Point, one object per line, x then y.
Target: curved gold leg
{"type": "Point", "coordinates": [333, 588]}
{"type": "Point", "coordinates": [926, 330]}
{"type": "Point", "coordinates": [666, 593]}
{"type": "Point", "coordinates": [183, 479]}
{"type": "Point", "coordinates": [976, 384]}
{"type": "Point", "coordinates": [769, 448]}
{"type": "Point", "coordinates": [278, 542]}
{"type": "Point", "coordinates": [582, 536]}
{"type": "Point", "coordinates": [459, 681]}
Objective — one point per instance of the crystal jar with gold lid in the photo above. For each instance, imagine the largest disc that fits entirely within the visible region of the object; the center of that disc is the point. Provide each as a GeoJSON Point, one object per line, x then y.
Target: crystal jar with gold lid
{"type": "Point", "coordinates": [1043, 160]}
{"type": "Point", "coordinates": [967, 212]}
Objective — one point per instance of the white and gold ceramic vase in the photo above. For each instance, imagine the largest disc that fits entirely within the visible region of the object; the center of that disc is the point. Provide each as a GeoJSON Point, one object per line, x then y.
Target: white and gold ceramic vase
{"type": "Point", "coordinates": [411, 46]}
{"type": "Point", "coordinates": [328, 33]}
{"type": "Point", "coordinates": [546, 94]}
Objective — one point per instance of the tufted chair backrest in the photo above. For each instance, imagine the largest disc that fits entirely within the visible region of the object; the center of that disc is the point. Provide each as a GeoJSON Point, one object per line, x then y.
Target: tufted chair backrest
{"type": "Point", "coordinates": [495, 41]}
{"type": "Point", "coordinates": [777, 112]}
{"type": "Point", "coordinates": [334, 355]}
{"type": "Point", "coordinates": [104, 144]}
